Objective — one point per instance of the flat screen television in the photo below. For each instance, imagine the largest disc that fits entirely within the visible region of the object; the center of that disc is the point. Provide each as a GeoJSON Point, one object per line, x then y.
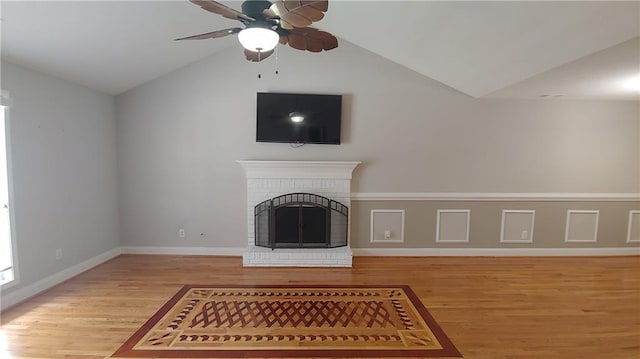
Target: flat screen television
{"type": "Point", "coordinates": [298, 118]}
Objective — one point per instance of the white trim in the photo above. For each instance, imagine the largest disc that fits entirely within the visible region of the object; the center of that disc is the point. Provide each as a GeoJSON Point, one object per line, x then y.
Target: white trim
{"type": "Point", "coordinates": [12, 212]}
{"type": "Point", "coordinates": [482, 196]}
{"type": "Point", "coordinates": [630, 227]}
{"type": "Point", "coordinates": [494, 252]}
{"type": "Point", "coordinates": [5, 99]}
{"type": "Point", "coordinates": [299, 169]}
{"type": "Point", "coordinates": [466, 211]}
{"type": "Point", "coordinates": [568, 225]}
{"type": "Point", "coordinates": [372, 237]}
{"type": "Point", "coordinates": [189, 251]}
{"type": "Point", "coordinates": [530, 229]}
{"type": "Point", "coordinates": [31, 290]}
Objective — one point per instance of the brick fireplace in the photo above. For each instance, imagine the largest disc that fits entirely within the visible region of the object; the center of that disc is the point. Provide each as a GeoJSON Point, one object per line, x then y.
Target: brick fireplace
{"type": "Point", "coordinates": [270, 179]}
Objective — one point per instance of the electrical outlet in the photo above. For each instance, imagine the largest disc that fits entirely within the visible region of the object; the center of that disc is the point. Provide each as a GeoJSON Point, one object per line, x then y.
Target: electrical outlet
{"type": "Point", "coordinates": [524, 234]}
{"type": "Point", "coordinates": [59, 254]}
{"type": "Point", "coordinates": [181, 233]}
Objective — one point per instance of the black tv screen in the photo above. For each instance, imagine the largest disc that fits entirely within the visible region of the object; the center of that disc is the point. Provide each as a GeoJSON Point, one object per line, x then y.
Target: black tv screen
{"type": "Point", "coordinates": [298, 118]}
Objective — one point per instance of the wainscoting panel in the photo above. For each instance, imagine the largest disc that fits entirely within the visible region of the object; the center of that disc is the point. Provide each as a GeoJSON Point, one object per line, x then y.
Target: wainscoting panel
{"type": "Point", "coordinates": [517, 226]}
{"type": "Point", "coordinates": [387, 226]}
{"type": "Point", "coordinates": [453, 226]}
{"type": "Point", "coordinates": [614, 225]}
{"type": "Point", "coordinates": [633, 233]}
{"type": "Point", "coordinates": [582, 226]}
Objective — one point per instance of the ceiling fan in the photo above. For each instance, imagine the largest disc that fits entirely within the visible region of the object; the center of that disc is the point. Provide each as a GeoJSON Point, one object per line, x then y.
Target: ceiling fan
{"type": "Point", "coordinates": [266, 24]}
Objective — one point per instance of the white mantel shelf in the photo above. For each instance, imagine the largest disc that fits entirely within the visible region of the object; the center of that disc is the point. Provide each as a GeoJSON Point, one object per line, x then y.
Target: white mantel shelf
{"type": "Point", "coordinates": [299, 169]}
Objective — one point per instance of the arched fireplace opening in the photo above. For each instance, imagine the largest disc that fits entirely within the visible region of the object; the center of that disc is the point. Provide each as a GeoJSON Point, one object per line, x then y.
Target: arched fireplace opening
{"type": "Point", "coordinates": [300, 220]}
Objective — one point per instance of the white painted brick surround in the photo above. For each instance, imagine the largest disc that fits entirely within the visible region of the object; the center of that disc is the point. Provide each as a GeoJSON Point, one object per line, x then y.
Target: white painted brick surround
{"type": "Point", "coordinates": [269, 179]}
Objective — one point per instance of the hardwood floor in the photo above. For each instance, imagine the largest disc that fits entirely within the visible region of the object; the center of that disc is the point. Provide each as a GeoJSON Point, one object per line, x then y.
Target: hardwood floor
{"type": "Point", "coordinates": [516, 307]}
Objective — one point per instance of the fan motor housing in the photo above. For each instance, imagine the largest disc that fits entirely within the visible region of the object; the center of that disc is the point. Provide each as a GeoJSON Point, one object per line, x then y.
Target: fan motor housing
{"type": "Point", "coordinates": [254, 8]}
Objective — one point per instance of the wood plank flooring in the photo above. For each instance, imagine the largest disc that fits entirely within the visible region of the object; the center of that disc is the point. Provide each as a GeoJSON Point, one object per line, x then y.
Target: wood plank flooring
{"type": "Point", "coordinates": [516, 307]}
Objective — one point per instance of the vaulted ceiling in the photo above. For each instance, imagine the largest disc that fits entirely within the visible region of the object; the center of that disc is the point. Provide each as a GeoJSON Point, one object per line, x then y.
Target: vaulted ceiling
{"type": "Point", "coordinates": [483, 49]}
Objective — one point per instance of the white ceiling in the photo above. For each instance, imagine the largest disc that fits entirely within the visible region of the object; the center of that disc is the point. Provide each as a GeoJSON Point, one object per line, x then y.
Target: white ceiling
{"type": "Point", "coordinates": [603, 75]}
{"type": "Point", "coordinates": [483, 49]}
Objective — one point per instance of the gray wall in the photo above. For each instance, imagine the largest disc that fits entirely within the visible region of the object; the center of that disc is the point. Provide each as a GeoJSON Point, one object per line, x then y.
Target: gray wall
{"type": "Point", "coordinates": [64, 172]}
{"type": "Point", "coordinates": [180, 135]}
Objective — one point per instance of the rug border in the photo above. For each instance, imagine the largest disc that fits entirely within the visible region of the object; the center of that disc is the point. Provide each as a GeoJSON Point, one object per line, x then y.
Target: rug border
{"type": "Point", "coordinates": [126, 350]}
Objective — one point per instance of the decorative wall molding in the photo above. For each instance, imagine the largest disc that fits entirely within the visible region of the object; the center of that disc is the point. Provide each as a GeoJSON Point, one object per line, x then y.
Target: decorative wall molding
{"type": "Point", "coordinates": [31, 290]}
{"type": "Point", "coordinates": [493, 252]}
{"type": "Point", "coordinates": [586, 232]}
{"type": "Point", "coordinates": [440, 229]}
{"type": "Point", "coordinates": [372, 231]}
{"type": "Point", "coordinates": [506, 214]}
{"type": "Point", "coordinates": [482, 196]}
{"type": "Point", "coordinates": [634, 222]}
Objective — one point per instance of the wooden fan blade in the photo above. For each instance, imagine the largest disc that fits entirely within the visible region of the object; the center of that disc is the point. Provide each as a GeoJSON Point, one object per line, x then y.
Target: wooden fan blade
{"type": "Point", "coordinates": [220, 9]}
{"type": "Point", "coordinates": [298, 42]}
{"type": "Point", "coordinates": [322, 5]}
{"type": "Point", "coordinates": [297, 13]}
{"type": "Point", "coordinates": [314, 45]}
{"type": "Point", "coordinates": [308, 11]}
{"type": "Point", "coordinates": [255, 56]}
{"type": "Point", "coordinates": [213, 34]}
{"type": "Point", "coordinates": [329, 42]}
{"type": "Point", "coordinates": [310, 39]}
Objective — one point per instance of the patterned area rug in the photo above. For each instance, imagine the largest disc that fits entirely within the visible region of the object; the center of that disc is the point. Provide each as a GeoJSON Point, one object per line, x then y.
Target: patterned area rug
{"type": "Point", "coordinates": [290, 321]}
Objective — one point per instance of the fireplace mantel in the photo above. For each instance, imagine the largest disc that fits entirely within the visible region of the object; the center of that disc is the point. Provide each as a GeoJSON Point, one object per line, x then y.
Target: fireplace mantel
{"type": "Point", "coordinates": [268, 179]}
{"type": "Point", "coordinates": [299, 169]}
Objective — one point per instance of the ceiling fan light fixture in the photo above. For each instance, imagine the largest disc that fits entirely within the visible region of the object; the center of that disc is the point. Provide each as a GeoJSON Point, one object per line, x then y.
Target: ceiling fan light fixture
{"type": "Point", "coordinates": [258, 39]}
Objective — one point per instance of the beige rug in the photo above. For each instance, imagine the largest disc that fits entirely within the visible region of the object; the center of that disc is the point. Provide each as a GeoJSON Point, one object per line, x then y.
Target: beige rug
{"type": "Point", "coordinates": [290, 321]}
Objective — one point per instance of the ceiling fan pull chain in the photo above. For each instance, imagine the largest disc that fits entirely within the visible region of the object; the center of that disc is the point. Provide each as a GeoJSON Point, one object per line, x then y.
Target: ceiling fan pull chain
{"type": "Point", "coordinates": [259, 52]}
{"type": "Point", "coordinates": [276, 60]}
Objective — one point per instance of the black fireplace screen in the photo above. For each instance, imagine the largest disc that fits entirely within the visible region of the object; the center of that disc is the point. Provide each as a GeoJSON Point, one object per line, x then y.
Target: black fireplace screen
{"type": "Point", "coordinates": [301, 220]}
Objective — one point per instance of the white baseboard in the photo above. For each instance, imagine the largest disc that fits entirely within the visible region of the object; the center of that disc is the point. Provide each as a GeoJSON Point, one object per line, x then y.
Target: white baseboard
{"type": "Point", "coordinates": [405, 252]}
{"type": "Point", "coordinates": [191, 251]}
{"type": "Point", "coordinates": [494, 252]}
{"type": "Point", "coordinates": [31, 290]}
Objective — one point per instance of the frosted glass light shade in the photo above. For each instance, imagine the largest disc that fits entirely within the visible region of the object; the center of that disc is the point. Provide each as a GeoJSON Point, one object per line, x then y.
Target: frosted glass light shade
{"type": "Point", "coordinates": [258, 39]}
